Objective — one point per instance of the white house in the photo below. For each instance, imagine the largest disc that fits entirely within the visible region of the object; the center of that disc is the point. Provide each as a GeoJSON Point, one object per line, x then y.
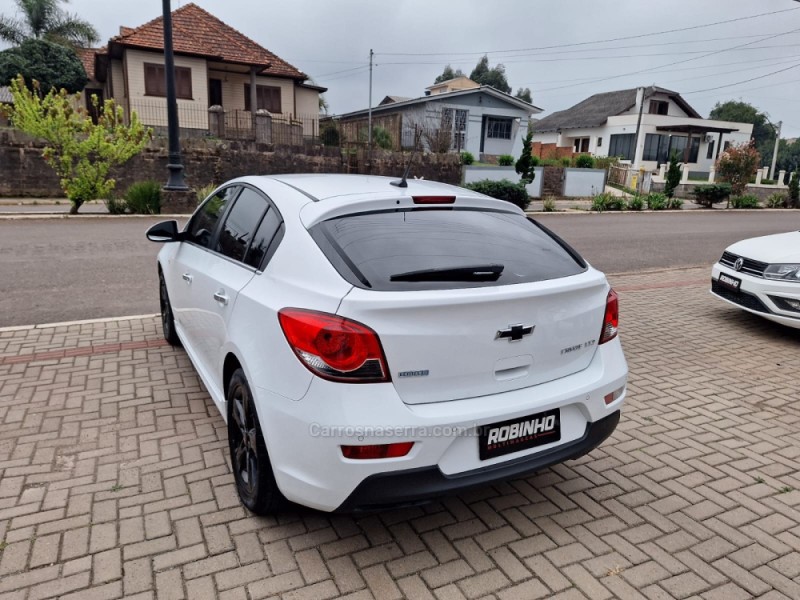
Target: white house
{"type": "Point", "coordinates": [479, 119]}
{"type": "Point", "coordinates": [215, 65]}
{"type": "Point", "coordinates": [643, 126]}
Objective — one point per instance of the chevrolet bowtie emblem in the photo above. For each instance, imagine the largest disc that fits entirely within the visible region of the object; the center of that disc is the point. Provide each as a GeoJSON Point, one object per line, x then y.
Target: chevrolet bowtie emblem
{"type": "Point", "coordinates": [514, 333]}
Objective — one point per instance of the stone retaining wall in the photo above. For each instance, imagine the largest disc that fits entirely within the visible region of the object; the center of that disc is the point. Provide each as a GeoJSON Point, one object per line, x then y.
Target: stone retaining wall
{"type": "Point", "coordinates": [23, 172]}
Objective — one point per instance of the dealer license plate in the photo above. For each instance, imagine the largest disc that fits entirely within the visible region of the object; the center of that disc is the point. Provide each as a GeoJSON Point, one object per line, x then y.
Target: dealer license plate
{"type": "Point", "coordinates": [519, 434]}
{"type": "Point", "coordinates": [729, 282]}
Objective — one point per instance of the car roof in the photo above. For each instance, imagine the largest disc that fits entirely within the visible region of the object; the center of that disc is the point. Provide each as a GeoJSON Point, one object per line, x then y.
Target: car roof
{"type": "Point", "coordinates": [323, 186]}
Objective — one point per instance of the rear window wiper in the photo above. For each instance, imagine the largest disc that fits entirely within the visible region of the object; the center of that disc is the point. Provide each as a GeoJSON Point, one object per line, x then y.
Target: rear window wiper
{"type": "Point", "coordinates": [467, 273]}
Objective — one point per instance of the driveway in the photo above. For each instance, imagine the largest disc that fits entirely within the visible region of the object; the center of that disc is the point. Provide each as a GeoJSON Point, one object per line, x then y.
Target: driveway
{"type": "Point", "coordinates": [114, 480]}
{"type": "Point", "coordinates": [93, 267]}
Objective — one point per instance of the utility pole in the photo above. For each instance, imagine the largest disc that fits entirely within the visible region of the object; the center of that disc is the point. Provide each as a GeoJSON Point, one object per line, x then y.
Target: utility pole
{"type": "Point", "coordinates": [369, 120]}
{"type": "Point", "coordinates": [775, 151]}
{"type": "Point", "coordinates": [175, 167]}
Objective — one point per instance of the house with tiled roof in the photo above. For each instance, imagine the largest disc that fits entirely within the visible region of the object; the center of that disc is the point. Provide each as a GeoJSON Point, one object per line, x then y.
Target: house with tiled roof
{"type": "Point", "coordinates": [215, 65]}
{"type": "Point", "coordinates": [642, 126]}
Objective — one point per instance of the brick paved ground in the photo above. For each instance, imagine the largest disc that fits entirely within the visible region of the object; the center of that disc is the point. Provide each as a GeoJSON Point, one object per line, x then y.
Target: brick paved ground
{"type": "Point", "coordinates": [114, 480]}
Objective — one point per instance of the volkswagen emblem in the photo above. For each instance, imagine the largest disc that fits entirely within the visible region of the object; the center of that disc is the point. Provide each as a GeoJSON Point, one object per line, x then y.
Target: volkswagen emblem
{"type": "Point", "coordinates": [738, 264]}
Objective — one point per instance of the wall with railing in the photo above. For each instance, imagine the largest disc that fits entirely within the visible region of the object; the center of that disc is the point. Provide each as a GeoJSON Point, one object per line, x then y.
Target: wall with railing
{"type": "Point", "coordinates": [233, 124]}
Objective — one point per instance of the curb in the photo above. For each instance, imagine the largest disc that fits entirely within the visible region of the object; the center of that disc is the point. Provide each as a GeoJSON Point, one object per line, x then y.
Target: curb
{"type": "Point", "coordinates": [80, 322]}
{"type": "Point", "coordinates": [32, 216]}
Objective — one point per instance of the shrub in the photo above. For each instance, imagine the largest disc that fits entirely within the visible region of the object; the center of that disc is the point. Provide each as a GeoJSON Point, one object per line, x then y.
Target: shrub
{"type": "Point", "coordinates": [777, 200]}
{"type": "Point", "coordinates": [584, 161]}
{"type": "Point", "coordinates": [551, 162]}
{"type": "Point", "coordinates": [768, 182]}
{"type": "Point", "coordinates": [382, 138]}
{"type": "Point", "coordinates": [604, 201]}
{"type": "Point", "coordinates": [329, 135]}
{"type": "Point", "coordinates": [737, 164]}
{"type": "Point", "coordinates": [467, 158]}
{"type": "Point", "coordinates": [566, 162]}
{"type": "Point", "coordinates": [524, 166]}
{"type": "Point", "coordinates": [674, 203]}
{"type": "Point", "coordinates": [708, 195]}
{"type": "Point", "coordinates": [656, 201]}
{"type": "Point", "coordinates": [502, 190]}
{"type": "Point", "coordinates": [745, 201]}
{"type": "Point", "coordinates": [505, 160]}
{"type": "Point", "coordinates": [673, 176]}
{"type": "Point", "coordinates": [635, 203]}
{"type": "Point", "coordinates": [604, 162]}
{"type": "Point", "coordinates": [116, 206]}
{"type": "Point", "coordinates": [794, 189]}
{"type": "Point", "coordinates": [549, 204]}
{"type": "Point", "coordinates": [204, 192]}
{"type": "Point", "coordinates": [144, 198]}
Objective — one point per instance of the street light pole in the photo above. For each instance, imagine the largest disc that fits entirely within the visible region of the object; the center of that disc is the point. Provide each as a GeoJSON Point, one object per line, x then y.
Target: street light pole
{"type": "Point", "coordinates": [775, 151]}
{"type": "Point", "coordinates": [175, 167]}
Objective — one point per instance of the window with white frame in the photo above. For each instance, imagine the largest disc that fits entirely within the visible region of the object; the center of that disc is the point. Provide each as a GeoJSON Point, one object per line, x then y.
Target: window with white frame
{"type": "Point", "coordinates": [581, 145]}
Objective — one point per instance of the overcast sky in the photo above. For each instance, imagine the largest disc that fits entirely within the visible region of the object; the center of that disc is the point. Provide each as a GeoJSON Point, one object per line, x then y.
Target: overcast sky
{"type": "Point", "coordinates": [414, 39]}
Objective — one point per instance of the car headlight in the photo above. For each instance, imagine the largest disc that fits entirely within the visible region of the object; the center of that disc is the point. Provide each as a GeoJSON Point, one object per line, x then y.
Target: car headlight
{"type": "Point", "coordinates": [789, 272]}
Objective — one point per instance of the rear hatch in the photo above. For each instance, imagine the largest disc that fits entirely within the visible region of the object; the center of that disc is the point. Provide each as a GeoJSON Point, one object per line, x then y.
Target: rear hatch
{"type": "Point", "coordinates": [466, 302]}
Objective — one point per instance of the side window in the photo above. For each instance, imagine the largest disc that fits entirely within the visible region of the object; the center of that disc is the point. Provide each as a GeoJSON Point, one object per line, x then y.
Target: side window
{"type": "Point", "coordinates": [241, 223]}
{"type": "Point", "coordinates": [204, 222]}
{"type": "Point", "coordinates": [263, 245]}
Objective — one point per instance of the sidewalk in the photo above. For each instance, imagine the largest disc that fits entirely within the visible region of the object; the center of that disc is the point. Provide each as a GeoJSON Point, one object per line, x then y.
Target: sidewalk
{"type": "Point", "coordinates": [114, 480]}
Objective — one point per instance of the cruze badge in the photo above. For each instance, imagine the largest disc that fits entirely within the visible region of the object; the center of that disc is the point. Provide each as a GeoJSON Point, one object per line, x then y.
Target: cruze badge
{"type": "Point", "coordinates": [514, 333]}
{"type": "Point", "coordinates": [738, 264]}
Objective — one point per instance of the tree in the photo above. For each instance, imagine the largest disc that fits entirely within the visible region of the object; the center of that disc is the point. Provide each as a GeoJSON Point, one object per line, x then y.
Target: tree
{"type": "Point", "coordinates": [44, 20]}
{"type": "Point", "coordinates": [448, 74]}
{"type": "Point", "coordinates": [742, 112]}
{"type": "Point", "coordinates": [495, 77]}
{"type": "Point", "coordinates": [794, 190]}
{"type": "Point", "coordinates": [788, 155]}
{"type": "Point", "coordinates": [526, 163]}
{"type": "Point", "coordinates": [525, 94]}
{"type": "Point", "coordinates": [673, 175]}
{"type": "Point", "coordinates": [53, 66]}
{"type": "Point", "coordinates": [737, 164]}
{"type": "Point", "coordinates": [80, 151]}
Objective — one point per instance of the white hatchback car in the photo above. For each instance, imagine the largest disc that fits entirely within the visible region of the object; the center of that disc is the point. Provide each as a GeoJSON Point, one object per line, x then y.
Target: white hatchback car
{"type": "Point", "coordinates": [762, 276]}
{"type": "Point", "coordinates": [373, 344]}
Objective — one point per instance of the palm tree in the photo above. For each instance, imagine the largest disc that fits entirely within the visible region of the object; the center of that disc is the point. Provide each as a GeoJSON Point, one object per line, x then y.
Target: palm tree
{"type": "Point", "coordinates": [43, 19]}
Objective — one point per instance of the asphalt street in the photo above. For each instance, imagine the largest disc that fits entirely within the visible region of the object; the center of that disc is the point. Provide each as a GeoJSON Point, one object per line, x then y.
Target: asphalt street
{"type": "Point", "coordinates": [54, 270]}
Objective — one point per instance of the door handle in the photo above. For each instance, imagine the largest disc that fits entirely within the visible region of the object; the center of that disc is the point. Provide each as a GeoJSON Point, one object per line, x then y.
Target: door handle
{"type": "Point", "coordinates": [221, 298]}
{"type": "Point", "coordinates": [187, 278]}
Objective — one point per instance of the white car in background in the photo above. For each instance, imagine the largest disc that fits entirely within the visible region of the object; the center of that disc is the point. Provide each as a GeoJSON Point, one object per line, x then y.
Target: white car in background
{"type": "Point", "coordinates": [762, 275]}
{"type": "Point", "coordinates": [374, 342]}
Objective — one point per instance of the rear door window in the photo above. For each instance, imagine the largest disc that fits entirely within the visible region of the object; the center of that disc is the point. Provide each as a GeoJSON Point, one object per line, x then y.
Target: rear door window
{"type": "Point", "coordinates": [265, 240]}
{"type": "Point", "coordinates": [204, 222]}
{"type": "Point", "coordinates": [443, 249]}
{"type": "Point", "coordinates": [241, 223]}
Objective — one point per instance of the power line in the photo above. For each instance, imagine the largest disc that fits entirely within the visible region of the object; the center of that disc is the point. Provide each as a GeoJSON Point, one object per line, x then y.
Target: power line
{"type": "Point", "coordinates": [594, 58]}
{"type": "Point", "coordinates": [681, 70]}
{"type": "Point", "coordinates": [362, 66]}
{"type": "Point", "coordinates": [678, 62]}
{"type": "Point", "coordinates": [617, 39]}
{"type": "Point", "coordinates": [719, 87]}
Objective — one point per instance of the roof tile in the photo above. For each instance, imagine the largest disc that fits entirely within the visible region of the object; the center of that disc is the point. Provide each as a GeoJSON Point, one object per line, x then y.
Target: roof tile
{"type": "Point", "coordinates": [198, 32]}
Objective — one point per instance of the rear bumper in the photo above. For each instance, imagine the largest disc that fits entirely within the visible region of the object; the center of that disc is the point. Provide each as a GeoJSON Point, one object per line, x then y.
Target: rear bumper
{"type": "Point", "coordinates": [412, 486]}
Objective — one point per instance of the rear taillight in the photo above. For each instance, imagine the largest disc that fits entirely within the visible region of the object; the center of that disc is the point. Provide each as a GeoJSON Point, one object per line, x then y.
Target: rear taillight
{"type": "Point", "coordinates": [611, 318]}
{"type": "Point", "coordinates": [333, 347]}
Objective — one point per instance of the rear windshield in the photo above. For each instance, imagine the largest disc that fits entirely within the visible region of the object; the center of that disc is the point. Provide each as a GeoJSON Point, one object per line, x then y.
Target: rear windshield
{"type": "Point", "coordinates": [435, 249]}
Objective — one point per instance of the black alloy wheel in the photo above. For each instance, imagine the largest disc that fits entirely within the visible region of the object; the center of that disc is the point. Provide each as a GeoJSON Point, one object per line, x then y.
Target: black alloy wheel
{"type": "Point", "coordinates": [252, 470]}
{"type": "Point", "coordinates": [167, 318]}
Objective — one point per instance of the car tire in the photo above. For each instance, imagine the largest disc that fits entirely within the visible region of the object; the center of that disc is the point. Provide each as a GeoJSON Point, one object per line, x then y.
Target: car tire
{"type": "Point", "coordinates": [167, 317]}
{"type": "Point", "coordinates": [252, 469]}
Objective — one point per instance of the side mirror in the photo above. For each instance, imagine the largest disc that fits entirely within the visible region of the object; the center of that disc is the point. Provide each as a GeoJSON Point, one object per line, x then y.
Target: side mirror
{"type": "Point", "coordinates": [166, 231]}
